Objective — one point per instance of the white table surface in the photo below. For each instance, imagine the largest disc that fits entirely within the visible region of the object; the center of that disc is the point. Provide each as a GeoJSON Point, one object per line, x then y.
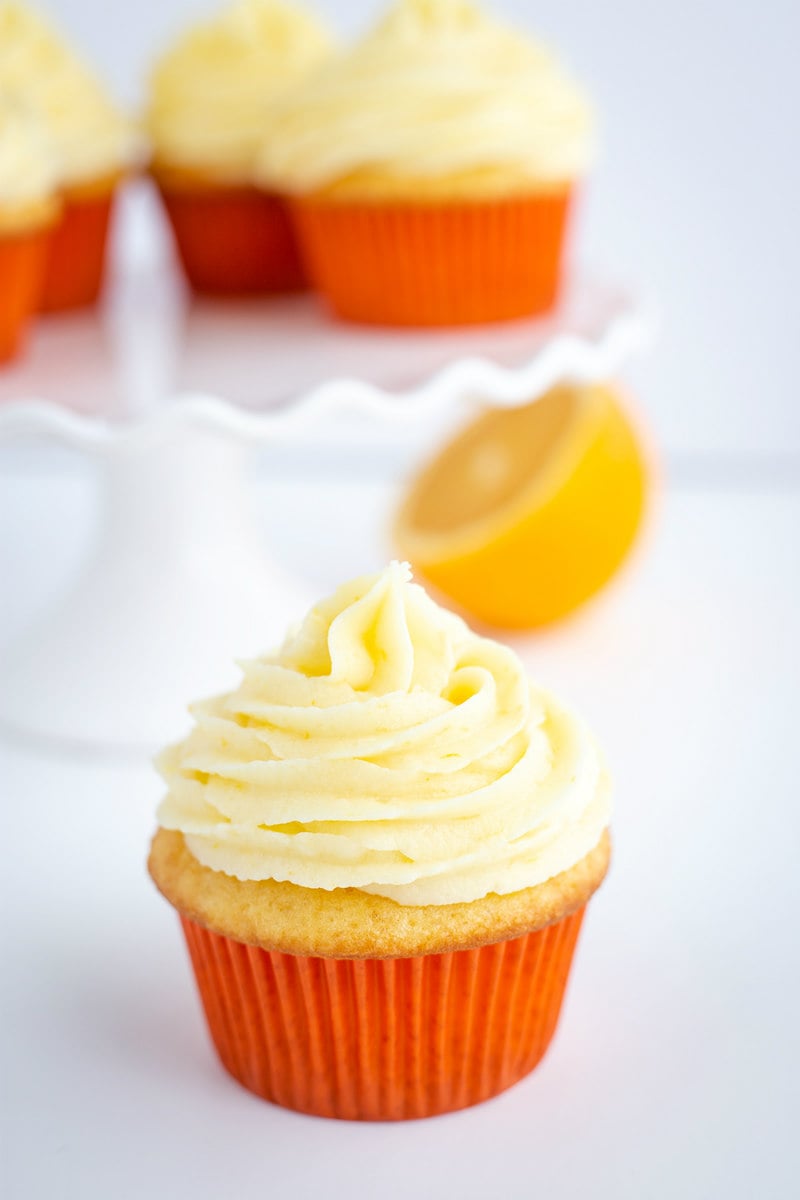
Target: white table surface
{"type": "Point", "coordinates": [675, 1070]}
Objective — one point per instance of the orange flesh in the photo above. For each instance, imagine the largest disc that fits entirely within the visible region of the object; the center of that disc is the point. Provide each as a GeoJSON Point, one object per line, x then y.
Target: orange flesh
{"type": "Point", "coordinates": [481, 471]}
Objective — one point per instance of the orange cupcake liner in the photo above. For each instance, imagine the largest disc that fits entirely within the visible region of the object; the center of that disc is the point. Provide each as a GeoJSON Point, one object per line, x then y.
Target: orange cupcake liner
{"type": "Point", "coordinates": [435, 263]}
{"type": "Point", "coordinates": [234, 240]}
{"type": "Point", "coordinates": [77, 252]}
{"type": "Point", "coordinates": [22, 264]}
{"type": "Point", "coordinates": [382, 1039]}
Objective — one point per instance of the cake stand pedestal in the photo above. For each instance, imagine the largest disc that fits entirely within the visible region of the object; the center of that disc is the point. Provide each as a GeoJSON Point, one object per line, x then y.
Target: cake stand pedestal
{"type": "Point", "coordinates": [177, 581]}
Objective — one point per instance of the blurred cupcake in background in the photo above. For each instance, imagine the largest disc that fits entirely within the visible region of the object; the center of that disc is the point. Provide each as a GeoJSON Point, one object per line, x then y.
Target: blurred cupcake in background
{"type": "Point", "coordinates": [432, 169]}
{"type": "Point", "coordinates": [210, 102]}
{"type": "Point", "coordinates": [28, 212]}
{"type": "Point", "coordinates": [94, 146]}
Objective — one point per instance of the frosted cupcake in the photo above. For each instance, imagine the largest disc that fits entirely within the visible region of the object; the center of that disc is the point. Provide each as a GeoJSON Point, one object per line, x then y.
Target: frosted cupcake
{"type": "Point", "coordinates": [94, 147]}
{"type": "Point", "coordinates": [380, 847]}
{"type": "Point", "coordinates": [432, 169]}
{"type": "Point", "coordinates": [210, 104]}
{"type": "Point", "coordinates": [28, 211]}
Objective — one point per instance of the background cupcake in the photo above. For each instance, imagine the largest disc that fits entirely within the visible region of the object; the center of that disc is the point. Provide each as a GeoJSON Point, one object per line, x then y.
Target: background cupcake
{"type": "Point", "coordinates": [381, 845]}
{"type": "Point", "coordinates": [28, 210]}
{"type": "Point", "coordinates": [211, 97]}
{"type": "Point", "coordinates": [94, 147]}
{"type": "Point", "coordinates": [432, 169]}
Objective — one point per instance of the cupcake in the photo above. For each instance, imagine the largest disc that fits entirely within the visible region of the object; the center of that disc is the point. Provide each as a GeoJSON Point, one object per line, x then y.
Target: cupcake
{"type": "Point", "coordinates": [94, 145]}
{"type": "Point", "coordinates": [210, 105]}
{"type": "Point", "coordinates": [28, 210]}
{"type": "Point", "coordinates": [380, 846]}
{"type": "Point", "coordinates": [432, 169]}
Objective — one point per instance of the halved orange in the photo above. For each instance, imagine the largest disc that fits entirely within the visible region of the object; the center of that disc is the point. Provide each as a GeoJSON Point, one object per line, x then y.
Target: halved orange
{"type": "Point", "coordinates": [528, 511]}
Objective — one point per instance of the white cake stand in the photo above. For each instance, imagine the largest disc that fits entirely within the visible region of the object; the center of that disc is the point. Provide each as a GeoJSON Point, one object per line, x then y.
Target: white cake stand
{"type": "Point", "coordinates": [179, 582]}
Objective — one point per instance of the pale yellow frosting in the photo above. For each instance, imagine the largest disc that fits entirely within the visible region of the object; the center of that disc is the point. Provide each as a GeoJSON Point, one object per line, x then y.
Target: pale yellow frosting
{"type": "Point", "coordinates": [438, 91]}
{"type": "Point", "coordinates": [91, 138]}
{"type": "Point", "coordinates": [388, 748]}
{"type": "Point", "coordinates": [213, 92]}
{"type": "Point", "coordinates": [27, 173]}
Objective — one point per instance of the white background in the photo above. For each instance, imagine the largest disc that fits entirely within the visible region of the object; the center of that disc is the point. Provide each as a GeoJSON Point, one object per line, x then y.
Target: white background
{"type": "Point", "coordinates": [675, 1072]}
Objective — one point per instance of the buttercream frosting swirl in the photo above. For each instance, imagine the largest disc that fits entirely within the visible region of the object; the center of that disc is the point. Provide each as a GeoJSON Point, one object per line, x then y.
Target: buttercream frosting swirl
{"type": "Point", "coordinates": [27, 176]}
{"type": "Point", "coordinates": [438, 91]}
{"type": "Point", "coordinates": [91, 138]}
{"type": "Point", "coordinates": [388, 748]}
{"type": "Point", "coordinates": [212, 93]}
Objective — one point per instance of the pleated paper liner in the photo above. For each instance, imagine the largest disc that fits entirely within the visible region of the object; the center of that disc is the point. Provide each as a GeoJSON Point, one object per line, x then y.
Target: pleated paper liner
{"type": "Point", "coordinates": [22, 263]}
{"type": "Point", "coordinates": [383, 1039]}
{"type": "Point", "coordinates": [76, 255]}
{"type": "Point", "coordinates": [438, 263]}
{"type": "Point", "coordinates": [234, 240]}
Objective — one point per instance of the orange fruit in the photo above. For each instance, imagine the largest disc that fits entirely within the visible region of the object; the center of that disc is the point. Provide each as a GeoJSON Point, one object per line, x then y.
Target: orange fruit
{"type": "Point", "coordinates": [530, 510]}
